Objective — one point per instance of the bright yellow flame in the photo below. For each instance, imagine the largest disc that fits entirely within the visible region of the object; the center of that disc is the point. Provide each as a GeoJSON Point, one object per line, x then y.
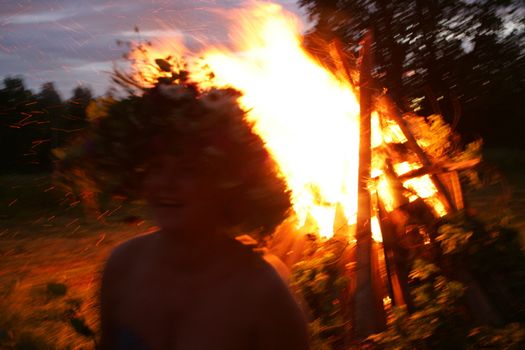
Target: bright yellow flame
{"type": "Point", "coordinates": [307, 117]}
{"type": "Point", "coordinates": [384, 189]}
{"type": "Point", "coordinates": [376, 229]}
{"type": "Point", "coordinates": [376, 133]}
{"type": "Point", "coordinates": [423, 186]}
{"type": "Point", "coordinates": [392, 133]}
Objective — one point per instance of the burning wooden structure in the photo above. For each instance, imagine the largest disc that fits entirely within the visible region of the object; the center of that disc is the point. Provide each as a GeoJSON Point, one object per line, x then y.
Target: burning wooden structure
{"type": "Point", "coordinates": [402, 192]}
{"type": "Point", "coordinates": [363, 176]}
{"type": "Point", "coordinates": [388, 228]}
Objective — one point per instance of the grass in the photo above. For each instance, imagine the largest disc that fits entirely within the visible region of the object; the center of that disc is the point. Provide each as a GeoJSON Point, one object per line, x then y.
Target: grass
{"type": "Point", "coordinates": [52, 253]}
{"type": "Point", "coordinates": [51, 256]}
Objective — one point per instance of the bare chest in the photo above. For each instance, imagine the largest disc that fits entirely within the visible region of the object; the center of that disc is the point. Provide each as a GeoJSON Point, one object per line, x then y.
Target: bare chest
{"type": "Point", "coordinates": [192, 311]}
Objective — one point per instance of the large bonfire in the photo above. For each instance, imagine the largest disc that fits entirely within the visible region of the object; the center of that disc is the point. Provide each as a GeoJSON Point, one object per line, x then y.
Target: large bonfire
{"type": "Point", "coordinates": [307, 114]}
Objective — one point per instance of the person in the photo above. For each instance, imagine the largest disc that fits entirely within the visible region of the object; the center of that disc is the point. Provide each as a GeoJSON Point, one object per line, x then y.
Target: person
{"type": "Point", "coordinates": [191, 285]}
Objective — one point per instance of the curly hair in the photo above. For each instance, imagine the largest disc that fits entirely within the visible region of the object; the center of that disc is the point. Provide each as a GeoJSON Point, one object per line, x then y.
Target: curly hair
{"type": "Point", "coordinates": [210, 127]}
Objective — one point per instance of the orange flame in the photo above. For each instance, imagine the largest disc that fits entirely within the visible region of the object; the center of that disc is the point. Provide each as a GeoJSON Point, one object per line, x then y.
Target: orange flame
{"type": "Point", "coordinates": [423, 186]}
{"type": "Point", "coordinates": [307, 116]}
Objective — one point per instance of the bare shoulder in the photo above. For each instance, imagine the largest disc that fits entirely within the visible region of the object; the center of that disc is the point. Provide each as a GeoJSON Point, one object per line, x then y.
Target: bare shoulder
{"type": "Point", "coordinates": [264, 276]}
{"type": "Point", "coordinates": [124, 256]}
{"type": "Point", "coordinates": [130, 247]}
{"type": "Point", "coordinates": [117, 269]}
{"type": "Point", "coordinates": [255, 272]}
{"type": "Point", "coordinates": [280, 322]}
{"type": "Point", "coordinates": [260, 280]}
{"type": "Point", "coordinates": [269, 287]}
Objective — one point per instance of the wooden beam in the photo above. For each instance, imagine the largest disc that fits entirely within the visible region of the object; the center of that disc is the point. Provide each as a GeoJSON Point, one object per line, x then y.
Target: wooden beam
{"type": "Point", "coordinates": [391, 110]}
{"type": "Point", "coordinates": [369, 313]}
{"type": "Point", "coordinates": [439, 168]}
{"type": "Point", "coordinates": [341, 60]}
{"type": "Point", "coordinates": [394, 226]}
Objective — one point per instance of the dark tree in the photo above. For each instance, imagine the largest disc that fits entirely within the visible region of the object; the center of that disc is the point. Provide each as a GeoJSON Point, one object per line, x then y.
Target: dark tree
{"type": "Point", "coordinates": [436, 49]}
{"type": "Point", "coordinates": [493, 90]}
{"type": "Point", "coordinates": [75, 116]}
{"type": "Point", "coordinates": [32, 125]}
{"type": "Point", "coordinates": [18, 123]}
{"type": "Point", "coordinates": [52, 112]}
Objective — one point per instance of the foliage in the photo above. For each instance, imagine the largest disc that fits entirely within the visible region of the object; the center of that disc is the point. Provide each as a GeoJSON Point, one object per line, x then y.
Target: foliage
{"type": "Point", "coordinates": [494, 256]}
{"type": "Point", "coordinates": [432, 133]}
{"type": "Point", "coordinates": [453, 238]}
{"type": "Point", "coordinates": [457, 58]}
{"type": "Point", "coordinates": [437, 323]}
{"type": "Point", "coordinates": [442, 318]}
{"type": "Point", "coordinates": [510, 337]}
{"type": "Point", "coordinates": [31, 125]}
{"type": "Point", "coordinates": [470, 177]}
{"type": "Point", "coordinates": [435, 136]}
{"type": "Point", "coordinates": [76, 107]}
{"type": "Point", "coordinates": [322, 285]}
{"type": "Point", "coordinates": [19, 126]}
{"type": "Point", "coordinates": [99, 108]}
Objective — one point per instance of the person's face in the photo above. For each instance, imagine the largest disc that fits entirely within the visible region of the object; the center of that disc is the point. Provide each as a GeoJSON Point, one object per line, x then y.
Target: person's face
{"type": "Point", "coordinates": [180, 195]}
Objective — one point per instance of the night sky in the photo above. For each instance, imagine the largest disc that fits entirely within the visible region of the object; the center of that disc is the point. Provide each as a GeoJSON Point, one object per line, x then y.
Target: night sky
{"type": "Point", "coordinates": [73, 42]}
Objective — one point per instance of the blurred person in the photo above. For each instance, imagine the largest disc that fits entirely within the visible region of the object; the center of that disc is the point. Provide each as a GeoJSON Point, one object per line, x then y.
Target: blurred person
{"type": "Point", "coordinates": [207, 178]}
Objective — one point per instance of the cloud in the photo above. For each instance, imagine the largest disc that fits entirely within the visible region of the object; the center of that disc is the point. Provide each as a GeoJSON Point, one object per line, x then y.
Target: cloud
{"type": "Point", "coordinates": [68, 41]}
{"type": "Point", "coordinates": [42, 17]}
